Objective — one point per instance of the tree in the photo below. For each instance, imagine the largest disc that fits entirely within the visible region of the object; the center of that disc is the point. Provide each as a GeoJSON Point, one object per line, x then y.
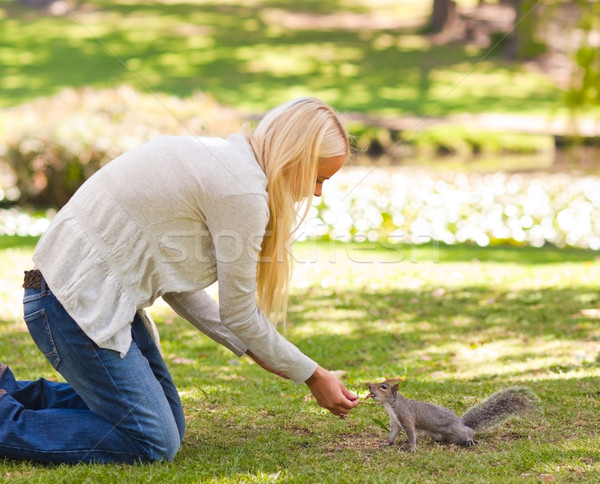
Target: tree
{"type": "Point", "coordinates": [523, 42]}
{"type": "Point", "coordinates": [443, 14]}
{"type": "Point", "coordinates": [584, 91]}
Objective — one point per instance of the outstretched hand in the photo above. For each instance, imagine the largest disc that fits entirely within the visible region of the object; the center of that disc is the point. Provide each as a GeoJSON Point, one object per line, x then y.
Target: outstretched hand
{"type": "Point", "coordinates": [331, 393]}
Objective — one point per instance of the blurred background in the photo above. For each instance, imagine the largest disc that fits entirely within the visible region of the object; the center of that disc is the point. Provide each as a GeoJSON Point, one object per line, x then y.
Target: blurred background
{"type": "Point", "coordinates": [474, 121]}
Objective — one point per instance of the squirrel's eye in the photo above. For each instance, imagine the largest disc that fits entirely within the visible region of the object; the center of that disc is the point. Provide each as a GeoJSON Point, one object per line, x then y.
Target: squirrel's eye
{"type": "Point", "coordinates": [384, 387]}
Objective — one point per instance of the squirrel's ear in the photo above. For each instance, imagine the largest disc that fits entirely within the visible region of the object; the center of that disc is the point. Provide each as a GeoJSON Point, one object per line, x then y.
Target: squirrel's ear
{"type": "Point", "coordinates": [395, 389]}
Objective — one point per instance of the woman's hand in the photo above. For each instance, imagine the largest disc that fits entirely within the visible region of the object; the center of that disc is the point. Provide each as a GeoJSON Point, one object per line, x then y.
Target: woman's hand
{"type": "Point", "coordinates": [265, 366]}
{"type": "Point", "coordinates": [331, 393]}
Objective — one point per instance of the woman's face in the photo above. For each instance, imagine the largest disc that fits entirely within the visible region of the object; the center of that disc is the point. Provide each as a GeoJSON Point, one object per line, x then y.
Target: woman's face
{"type": "Point", "coordinates": [327, 168]}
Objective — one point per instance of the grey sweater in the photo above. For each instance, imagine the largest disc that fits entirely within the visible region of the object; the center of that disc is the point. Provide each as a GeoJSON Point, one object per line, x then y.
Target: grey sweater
{"type": "Point", "coordinates": [168, 219]}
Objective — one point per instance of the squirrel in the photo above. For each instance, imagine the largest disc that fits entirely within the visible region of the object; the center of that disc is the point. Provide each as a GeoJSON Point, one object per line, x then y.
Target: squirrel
{"type": "Point", "coordinates": [441, 423]}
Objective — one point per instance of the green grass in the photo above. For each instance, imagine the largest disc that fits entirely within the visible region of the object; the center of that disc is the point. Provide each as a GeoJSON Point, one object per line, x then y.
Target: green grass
{"type": "Point", "coordinates": [249, 55]}
{"type": "Point", "coordinates": [456, 322]}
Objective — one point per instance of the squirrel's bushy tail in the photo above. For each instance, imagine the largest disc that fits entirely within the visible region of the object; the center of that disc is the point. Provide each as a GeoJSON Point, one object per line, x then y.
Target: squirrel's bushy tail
{"type": "Point", "coordinates": [500, 406]}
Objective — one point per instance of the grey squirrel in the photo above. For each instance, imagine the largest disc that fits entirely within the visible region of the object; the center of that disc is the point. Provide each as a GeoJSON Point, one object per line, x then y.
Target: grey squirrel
{"type": "Point", "coordinates": [442, 424]}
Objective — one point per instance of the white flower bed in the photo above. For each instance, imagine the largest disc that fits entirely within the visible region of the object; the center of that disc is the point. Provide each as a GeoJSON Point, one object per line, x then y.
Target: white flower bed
{"type": "Point", "coordinates": [14, 221]}
{"type": "Point", "coordinates": [414, 205]}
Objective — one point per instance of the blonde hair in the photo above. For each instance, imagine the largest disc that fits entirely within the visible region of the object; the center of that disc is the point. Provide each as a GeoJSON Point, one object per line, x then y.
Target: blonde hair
{"type": "Point", "coordinates": [288, 143]}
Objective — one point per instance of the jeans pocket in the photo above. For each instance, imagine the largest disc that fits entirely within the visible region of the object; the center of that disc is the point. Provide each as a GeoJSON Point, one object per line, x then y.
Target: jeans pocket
{"type": "Point", "coordinates": [39, 329]}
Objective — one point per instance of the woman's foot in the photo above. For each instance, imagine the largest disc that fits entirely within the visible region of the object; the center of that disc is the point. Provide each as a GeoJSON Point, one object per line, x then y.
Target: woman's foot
{"type": "Point", "coordinates": [7, 379]}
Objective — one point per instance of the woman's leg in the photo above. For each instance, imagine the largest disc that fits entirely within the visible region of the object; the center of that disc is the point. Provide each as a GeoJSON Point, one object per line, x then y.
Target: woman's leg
{"type": "Point", "coordinates": [129, 418]}
{"type": "Point", "coordinates": [41, 393]}
{"type": "Point", "coordinates": [147, 346]}
{"type": "Point", "coordinates": [59, 435]}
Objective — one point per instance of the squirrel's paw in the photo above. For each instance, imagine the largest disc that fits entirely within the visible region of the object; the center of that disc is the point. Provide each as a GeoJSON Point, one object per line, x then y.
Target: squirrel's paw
{"type": "Point", "coordinates": [471, 443]}
{"type": "Point", "coordinates": [386, 443]}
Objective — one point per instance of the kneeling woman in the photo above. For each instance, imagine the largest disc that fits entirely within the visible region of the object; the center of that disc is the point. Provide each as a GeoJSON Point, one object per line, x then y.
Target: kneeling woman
{"type": "Point", "coordinates": [166, 219]}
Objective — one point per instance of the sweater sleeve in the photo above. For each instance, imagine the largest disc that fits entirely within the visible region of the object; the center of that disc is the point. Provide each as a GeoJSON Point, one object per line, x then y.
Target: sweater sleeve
{"type": "Point", "coordinates": [202, 311]}
{"type": "Point", "coordinates": [237, 226]}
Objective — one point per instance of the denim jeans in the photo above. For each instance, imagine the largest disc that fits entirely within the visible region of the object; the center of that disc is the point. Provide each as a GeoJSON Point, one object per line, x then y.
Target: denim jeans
{"type": "Point", "coordinates": [112, 409]}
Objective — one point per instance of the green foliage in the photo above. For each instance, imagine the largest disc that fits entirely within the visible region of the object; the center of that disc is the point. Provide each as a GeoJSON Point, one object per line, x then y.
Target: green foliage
{"type": "Point", "coordinates": [371, 140]}
{"type": "Point", "coordinates": [461, 328]}
{"type": "Point", "coordinates": [528, 23]}
{"type": "Point", "coordinates": [381, 424]}
{"type": "Point", "coordinates": [444, 139]}
{"type": "Point", "coordinates": [584, 91]}
{"type": "Point", "coordinates": [16, 241]}
{"type": "Point", "coordinates": [52, 145]}
{"type": "Point", "coordinates": [466, 141]}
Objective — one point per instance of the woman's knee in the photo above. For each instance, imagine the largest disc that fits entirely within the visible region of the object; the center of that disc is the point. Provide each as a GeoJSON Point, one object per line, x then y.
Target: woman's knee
{"type": "Point", "coordinates": [163, 444]}
{"type": "Point", "coordinates": [181, 427]}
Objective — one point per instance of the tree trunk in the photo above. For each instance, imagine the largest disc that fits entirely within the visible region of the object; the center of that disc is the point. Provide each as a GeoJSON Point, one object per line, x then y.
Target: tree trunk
{"type": "Point", "coordinates": [444, 13]}
{"type": "Point", "coordinates": [523, 41]}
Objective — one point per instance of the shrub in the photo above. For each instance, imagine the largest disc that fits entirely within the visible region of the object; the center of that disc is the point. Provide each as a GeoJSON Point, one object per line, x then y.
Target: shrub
{"type": "Point", "coordinates": [466, 141]}
{"type": "Point", "coordinates": [50, 146]}
{"type": "Point", "coordinates": [371, 140]}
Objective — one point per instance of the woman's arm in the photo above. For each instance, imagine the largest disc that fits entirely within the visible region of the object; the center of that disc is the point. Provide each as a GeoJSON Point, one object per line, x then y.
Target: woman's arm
{"type": "Point", "coordinates": [237, 229]}
{"type": "Point", "coordinates": [237, 225]}
{"type": "Point", "coordinates": [265, 366]}
{"type": "Point", "coordinates": [202, 311]}
{"type": "Point", "coordinates": [328, 391]}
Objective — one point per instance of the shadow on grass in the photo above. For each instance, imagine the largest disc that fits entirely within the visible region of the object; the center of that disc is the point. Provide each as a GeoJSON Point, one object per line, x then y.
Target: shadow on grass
{"type": "Point", "coordinates": [454, 349]}
{"type": "Point", "coordinates": [390, 253]}
{"type": "Point", "coordinates": [520, 255]}
{"type": "Point", "coordinates": [247, 58]}
{"type": "Point", "coordinates": [382, 329]}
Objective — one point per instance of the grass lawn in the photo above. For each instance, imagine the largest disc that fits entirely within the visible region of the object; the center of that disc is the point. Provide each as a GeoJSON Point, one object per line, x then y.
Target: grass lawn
{"type": "Point", "coordinates": [360, 55]}
{"type": "Point", "coordinates": [457, 323]}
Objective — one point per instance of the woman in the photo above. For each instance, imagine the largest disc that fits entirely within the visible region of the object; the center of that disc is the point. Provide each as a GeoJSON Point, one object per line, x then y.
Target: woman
{"type": "Point", "coordinates": [166, 219]}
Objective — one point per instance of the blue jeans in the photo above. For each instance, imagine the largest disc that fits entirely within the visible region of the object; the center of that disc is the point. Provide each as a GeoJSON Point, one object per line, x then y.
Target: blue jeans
{"type": "Point", "coordinates": [112, 409]}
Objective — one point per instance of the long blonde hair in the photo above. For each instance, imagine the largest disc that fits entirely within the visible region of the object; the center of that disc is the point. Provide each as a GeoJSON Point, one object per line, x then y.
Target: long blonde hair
{"type": "Point", "coordinates": [288, 143]}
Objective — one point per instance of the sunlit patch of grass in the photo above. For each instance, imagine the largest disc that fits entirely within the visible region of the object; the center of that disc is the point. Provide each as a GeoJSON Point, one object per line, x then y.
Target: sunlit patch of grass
{"type": "Point", "coordinates": [179, 48]}
{"type": "Point", "coordinates": [455, 329]}
{"type": "Point", "coordinates": [520, 359]}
